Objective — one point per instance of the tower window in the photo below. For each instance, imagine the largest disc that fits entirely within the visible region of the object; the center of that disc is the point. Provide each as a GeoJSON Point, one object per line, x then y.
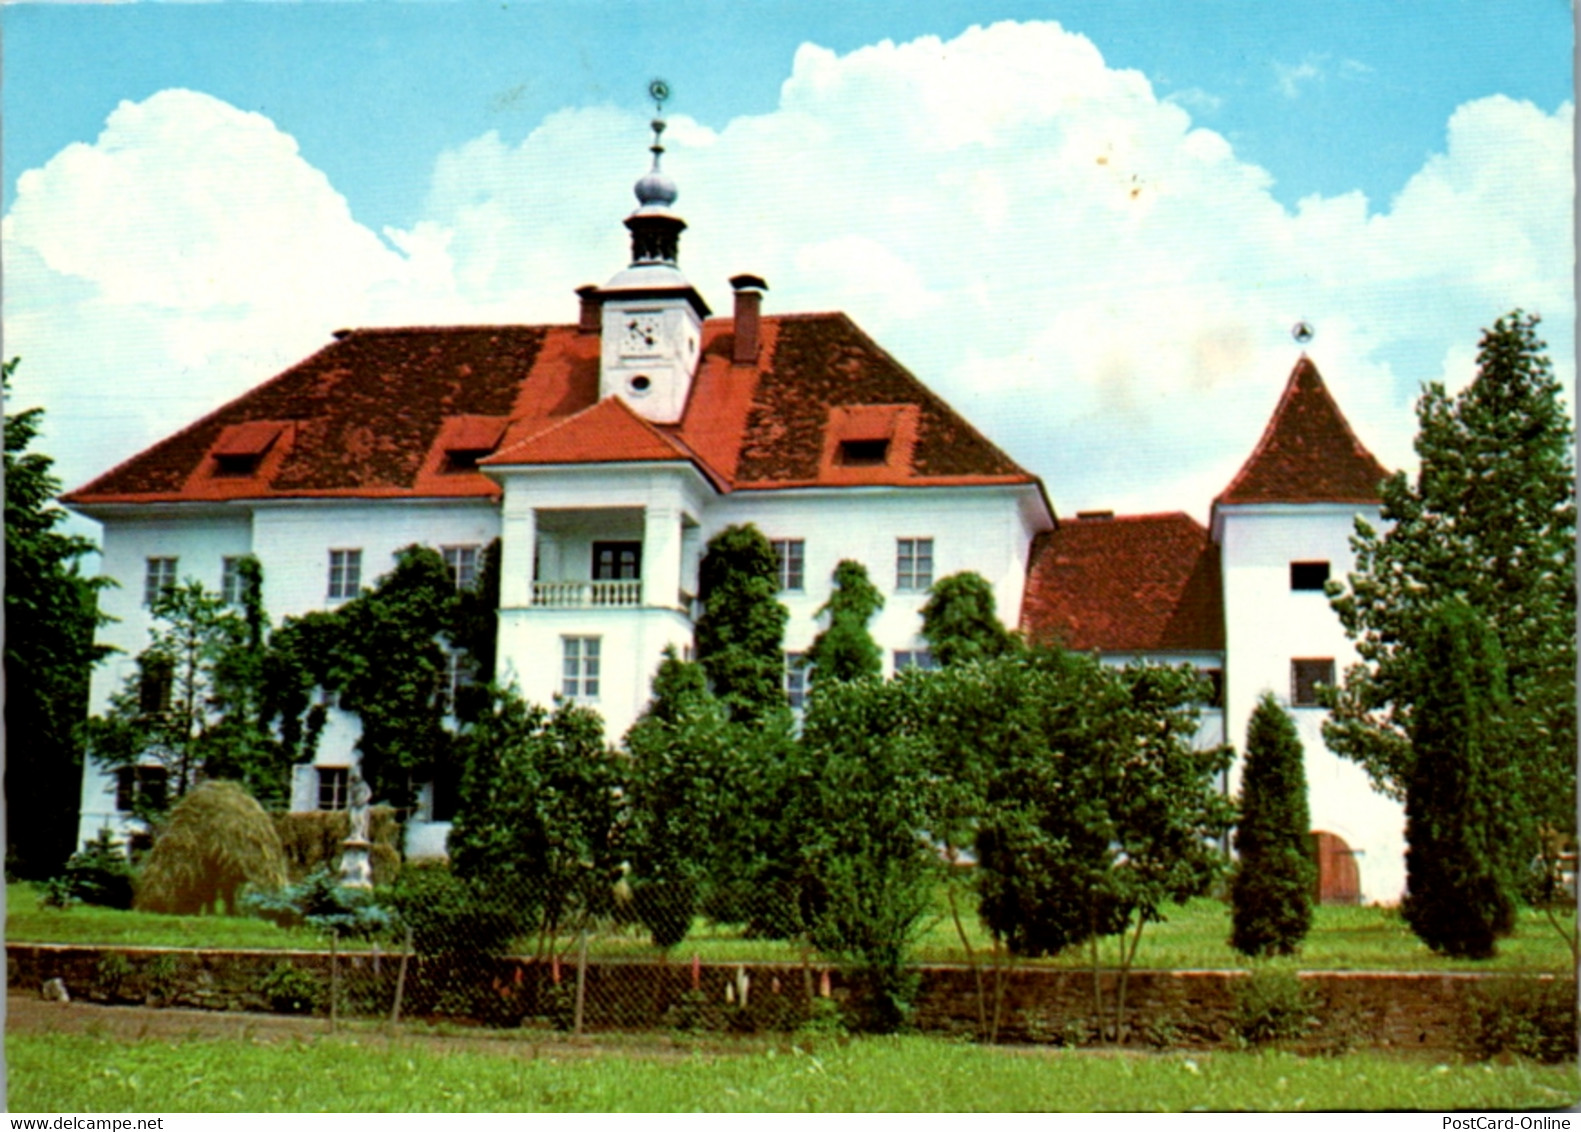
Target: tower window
{"type": "Point", "coordinates": [145, 784]}
{"type": "Point", "coordinates": [1305, 676]}
{"type": "Point", "coordinates": [155, 681]}
{"type": "Point", "coordinates": [1308, 575]}
{"type": "Point", "coordinates": [640, 384]}
{"type": "Point", "coordinates": [863, 453]}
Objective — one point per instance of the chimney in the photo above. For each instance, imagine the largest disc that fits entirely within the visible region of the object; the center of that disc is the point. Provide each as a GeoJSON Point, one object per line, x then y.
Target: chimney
{"type": "Point", "coordinates": [590, 318]}
{"type": "Point", "coordinates": [749, 307]}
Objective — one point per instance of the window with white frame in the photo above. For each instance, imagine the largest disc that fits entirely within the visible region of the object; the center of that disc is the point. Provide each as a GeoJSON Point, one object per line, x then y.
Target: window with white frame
{"type": "Point", "coordinates": [159, 577]}
{"type": "Point", "coordinates": [462, 562]}
{"type": "Point", "coordinates": [461, 672]}
{"type": "Point", "coordinates": [141, 787]}
{"type": "Point", "coordinates": [790, 554]}
{"type": "Point", "coordinates": [334, 786]}
{"type": "Point", "coordinates": [914, 658]}
{"type": "Point", "coordinates": [579, 667]}
{"type": "Point", "coordinates": [913, 564]}
{"type": "Point", "coordinates": [232, 581]}
{"type": "Point", "coordinates": [796, 669]}
{"type": "Point", "coordinates": [345, 573]}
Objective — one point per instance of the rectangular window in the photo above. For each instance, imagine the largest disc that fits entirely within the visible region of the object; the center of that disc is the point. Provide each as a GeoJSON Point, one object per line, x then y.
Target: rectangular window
{"type": "Point", "coordinates": [345, 574]}
{"type": "Point", "coordinates": [461, 672]}
{"type": "Point", "coordinates": [1305, 676]}
{"type": "Point", "coordinates": [617, 561]}
{"type": "Point", "coordinates": [140, 783]}
{"type": "Point", "coordinates": [579, 668]}
{"type": "Point", "coordinates": [863, 453]}
{"type": "Point", "coordinates": [913, 564]}
{"type": "Point", "coordinates": [161, 576]}
{"type": "Point", "coordinates": [334, 782]}
{"type": "Point", "coordinates": [790, 553]}
{"type": "Point", "coordinates": [156, 677]}
{"type": "Point", "coordinates": [231, 579]}
{"type": "Point", "coordinates": [1215, 680]}
{"type": "Point", "coordinates": [462, 562]}
{"type": "Point", "coordinates": [1308, 575]}
{"type": "Point", "coordinates": [796, 669]}
{"type": "Point", "coordinates": [914, 658]}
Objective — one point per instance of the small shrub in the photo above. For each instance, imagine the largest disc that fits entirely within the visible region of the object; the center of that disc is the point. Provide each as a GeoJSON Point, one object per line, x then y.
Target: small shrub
{"type": "Point", "coordinates": [1528, 1018]}
{"type": "Point", "coordinates": [114, 979]}
{"type": "Point", "coordinates": [691, 1013]}
{"type": "Point", "coordinates": [289, 989]}
{"type": "Point", "coordinates": [824, 1019]}
{"type": "Point", "coordinates": [160, 980]}
{"type": "Point", "coordinates": [100, 874]}
{"type": "Point", "coordinates": [1273, 1006]}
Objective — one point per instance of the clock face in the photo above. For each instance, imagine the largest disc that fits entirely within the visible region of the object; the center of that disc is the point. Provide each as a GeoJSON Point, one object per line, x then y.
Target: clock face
{"type": "Point", "coordinates": [641, 334]}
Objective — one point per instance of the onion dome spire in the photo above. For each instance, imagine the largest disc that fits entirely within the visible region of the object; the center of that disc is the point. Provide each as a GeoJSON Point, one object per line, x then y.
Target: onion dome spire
{"type": "Point", "coordinates": [655, 230]}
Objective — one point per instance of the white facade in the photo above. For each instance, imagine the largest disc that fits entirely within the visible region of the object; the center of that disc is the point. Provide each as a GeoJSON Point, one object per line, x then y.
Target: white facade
{"type": "Point", "coordinates": [1268, 627]}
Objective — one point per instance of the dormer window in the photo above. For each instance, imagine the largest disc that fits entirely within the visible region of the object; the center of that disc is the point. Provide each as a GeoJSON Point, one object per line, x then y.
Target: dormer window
{"type": "Point", "coordinates": [864, 453]}
{"type": "Point", "coordinates": [241, 448]}
{"type": "Point", "coordinates": [467, 440]}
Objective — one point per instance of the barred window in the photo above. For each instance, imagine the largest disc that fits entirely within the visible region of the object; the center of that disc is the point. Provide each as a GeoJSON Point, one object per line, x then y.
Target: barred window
{"type": "Point", "coordinates": [580, 668]}
{"type": "Point", "coordinates": [1305, 676]}
{"type": "Point", "coordinates": [345, 573]}
{"type": "Point", "coordinates": [160, 576]}
{"type": "Point", "coordinates": [913, 564]}
{"type": "Point", "coordinates": [146, 784]}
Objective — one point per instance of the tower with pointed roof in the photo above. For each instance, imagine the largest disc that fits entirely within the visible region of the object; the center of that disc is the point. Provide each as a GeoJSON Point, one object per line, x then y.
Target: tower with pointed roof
{"type": "Point", "coordinates": [650, 316]}
{"type": "Point", "coordinates": [1283, 527]}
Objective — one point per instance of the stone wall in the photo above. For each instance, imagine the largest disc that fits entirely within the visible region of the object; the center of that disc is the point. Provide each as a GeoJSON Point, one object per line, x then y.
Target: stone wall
{"type": "Point", "coordinates": [1401, 1011]}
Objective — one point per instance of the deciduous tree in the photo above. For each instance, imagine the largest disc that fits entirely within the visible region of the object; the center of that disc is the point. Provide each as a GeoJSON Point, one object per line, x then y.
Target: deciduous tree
{"type": "Point", "coordinates": [959, 621]}
{"type": "Point", "coordinates": [741, 633]}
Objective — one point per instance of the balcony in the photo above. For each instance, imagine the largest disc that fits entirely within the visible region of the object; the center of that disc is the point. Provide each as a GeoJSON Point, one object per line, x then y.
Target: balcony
{"type": "Point", "coordinates": [624, 594]}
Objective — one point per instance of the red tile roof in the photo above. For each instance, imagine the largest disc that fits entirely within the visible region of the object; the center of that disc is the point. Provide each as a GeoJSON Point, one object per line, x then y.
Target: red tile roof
{"type": "Point", "coordinates": [376, 414]}
{"type": "Point", "coordinates": [1133, 583]}
{"type": "Point", "coordinates": [1308, 453]}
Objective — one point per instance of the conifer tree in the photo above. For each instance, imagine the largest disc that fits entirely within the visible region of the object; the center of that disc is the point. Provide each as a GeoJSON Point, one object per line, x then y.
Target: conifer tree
{"type": "Point", "coordinates": [741, 633]}
{"type": "Point", "coordinates": [846, 650]}
{"type": "Point", "coordinates": [1460, 806]}
{"type": "Point", "coordinates": [959, 621]}
{"type": "Point", "coordinates": [1271, 893]}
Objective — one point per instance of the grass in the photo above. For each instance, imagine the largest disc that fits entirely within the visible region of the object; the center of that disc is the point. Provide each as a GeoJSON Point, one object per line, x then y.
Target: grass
{"type": "Point", "coordinates": [78, 1073]}
{"type": "Point", "coordinates": [1193, 938]}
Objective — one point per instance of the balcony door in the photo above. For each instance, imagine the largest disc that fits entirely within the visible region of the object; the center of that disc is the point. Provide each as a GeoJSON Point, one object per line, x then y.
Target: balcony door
{"type": "Point", "coordinates": [617, 561]}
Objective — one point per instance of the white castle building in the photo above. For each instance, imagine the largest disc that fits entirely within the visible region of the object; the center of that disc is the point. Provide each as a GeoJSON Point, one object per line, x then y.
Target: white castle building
{"type": "Point", "coordinates": [604, 455]}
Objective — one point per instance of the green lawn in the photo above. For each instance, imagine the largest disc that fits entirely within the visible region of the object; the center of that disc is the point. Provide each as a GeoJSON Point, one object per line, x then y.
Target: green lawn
{"type": "Point", "coordinates": [75, 1073]}
{"type": "Point", "coordinates": [1193, 938]}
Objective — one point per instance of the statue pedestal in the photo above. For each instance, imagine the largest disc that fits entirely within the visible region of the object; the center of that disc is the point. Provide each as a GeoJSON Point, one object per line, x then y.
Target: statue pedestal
{"type": "Point", "coordinates": [356, 868]}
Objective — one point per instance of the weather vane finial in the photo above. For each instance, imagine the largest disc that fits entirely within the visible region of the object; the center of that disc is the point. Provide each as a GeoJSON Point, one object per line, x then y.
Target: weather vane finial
{"type": "Point", "coordinates": [1302, 332]}
{"type": "Point", "coordinates": [659, 91]}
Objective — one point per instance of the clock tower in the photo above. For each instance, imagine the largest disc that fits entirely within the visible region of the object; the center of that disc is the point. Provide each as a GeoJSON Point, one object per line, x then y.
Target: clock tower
{"type": "Point", "coordinates": [651, 323]}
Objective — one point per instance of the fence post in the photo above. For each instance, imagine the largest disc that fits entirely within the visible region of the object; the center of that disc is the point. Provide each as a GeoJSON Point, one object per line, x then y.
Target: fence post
{"type": "Point", "coordinates": [581, 982]}
{"type": "Point", "coordinates": [334, 976]}
{"type": "Point", "coordinates": [400, 979]}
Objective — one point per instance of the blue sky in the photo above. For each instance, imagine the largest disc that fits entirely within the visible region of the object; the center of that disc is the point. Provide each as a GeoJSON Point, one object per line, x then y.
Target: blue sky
{"type": "Point", "coordinates": [1089, 225]}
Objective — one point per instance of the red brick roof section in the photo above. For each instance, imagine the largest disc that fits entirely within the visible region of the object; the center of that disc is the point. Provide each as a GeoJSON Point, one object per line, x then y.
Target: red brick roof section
{"type": "Point", "coordinates": [376, 414]}
{"type": "Point", "coordinates": [1134, 583]}
{"type": "Point", "coordinates": [1308, 453]}
{"type": "Point", "coordinates": [608, 433]}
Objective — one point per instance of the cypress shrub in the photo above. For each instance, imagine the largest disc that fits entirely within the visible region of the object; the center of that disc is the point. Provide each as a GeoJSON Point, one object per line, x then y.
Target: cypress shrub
{"type": "Point", "coordinates": [1271, 893]}
{"type": "Point", "coordinates": [1459, 811]}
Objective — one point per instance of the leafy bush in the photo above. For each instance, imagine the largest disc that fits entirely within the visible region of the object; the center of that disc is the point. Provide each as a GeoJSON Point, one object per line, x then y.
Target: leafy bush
{"type": "Point", "coordinates": [1273, 1006]}
{"type": "Point", "coordinates": [449, 915]}
{"type": "Point", "coordinates": [100, 874]}
{"type": "Point", "coordinates": [289, 989]}
{"type": "Point", "coordinates": [1525, 1017]}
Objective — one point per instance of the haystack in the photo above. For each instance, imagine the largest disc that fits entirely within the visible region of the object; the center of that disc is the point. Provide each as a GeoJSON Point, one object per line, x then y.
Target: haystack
{"type": "Point", "coordinates": [217, 839]}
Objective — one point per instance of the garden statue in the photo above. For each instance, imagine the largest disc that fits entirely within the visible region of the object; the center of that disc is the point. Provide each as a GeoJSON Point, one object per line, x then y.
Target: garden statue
{"type": "Point", "coordinates": [356, 870]}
